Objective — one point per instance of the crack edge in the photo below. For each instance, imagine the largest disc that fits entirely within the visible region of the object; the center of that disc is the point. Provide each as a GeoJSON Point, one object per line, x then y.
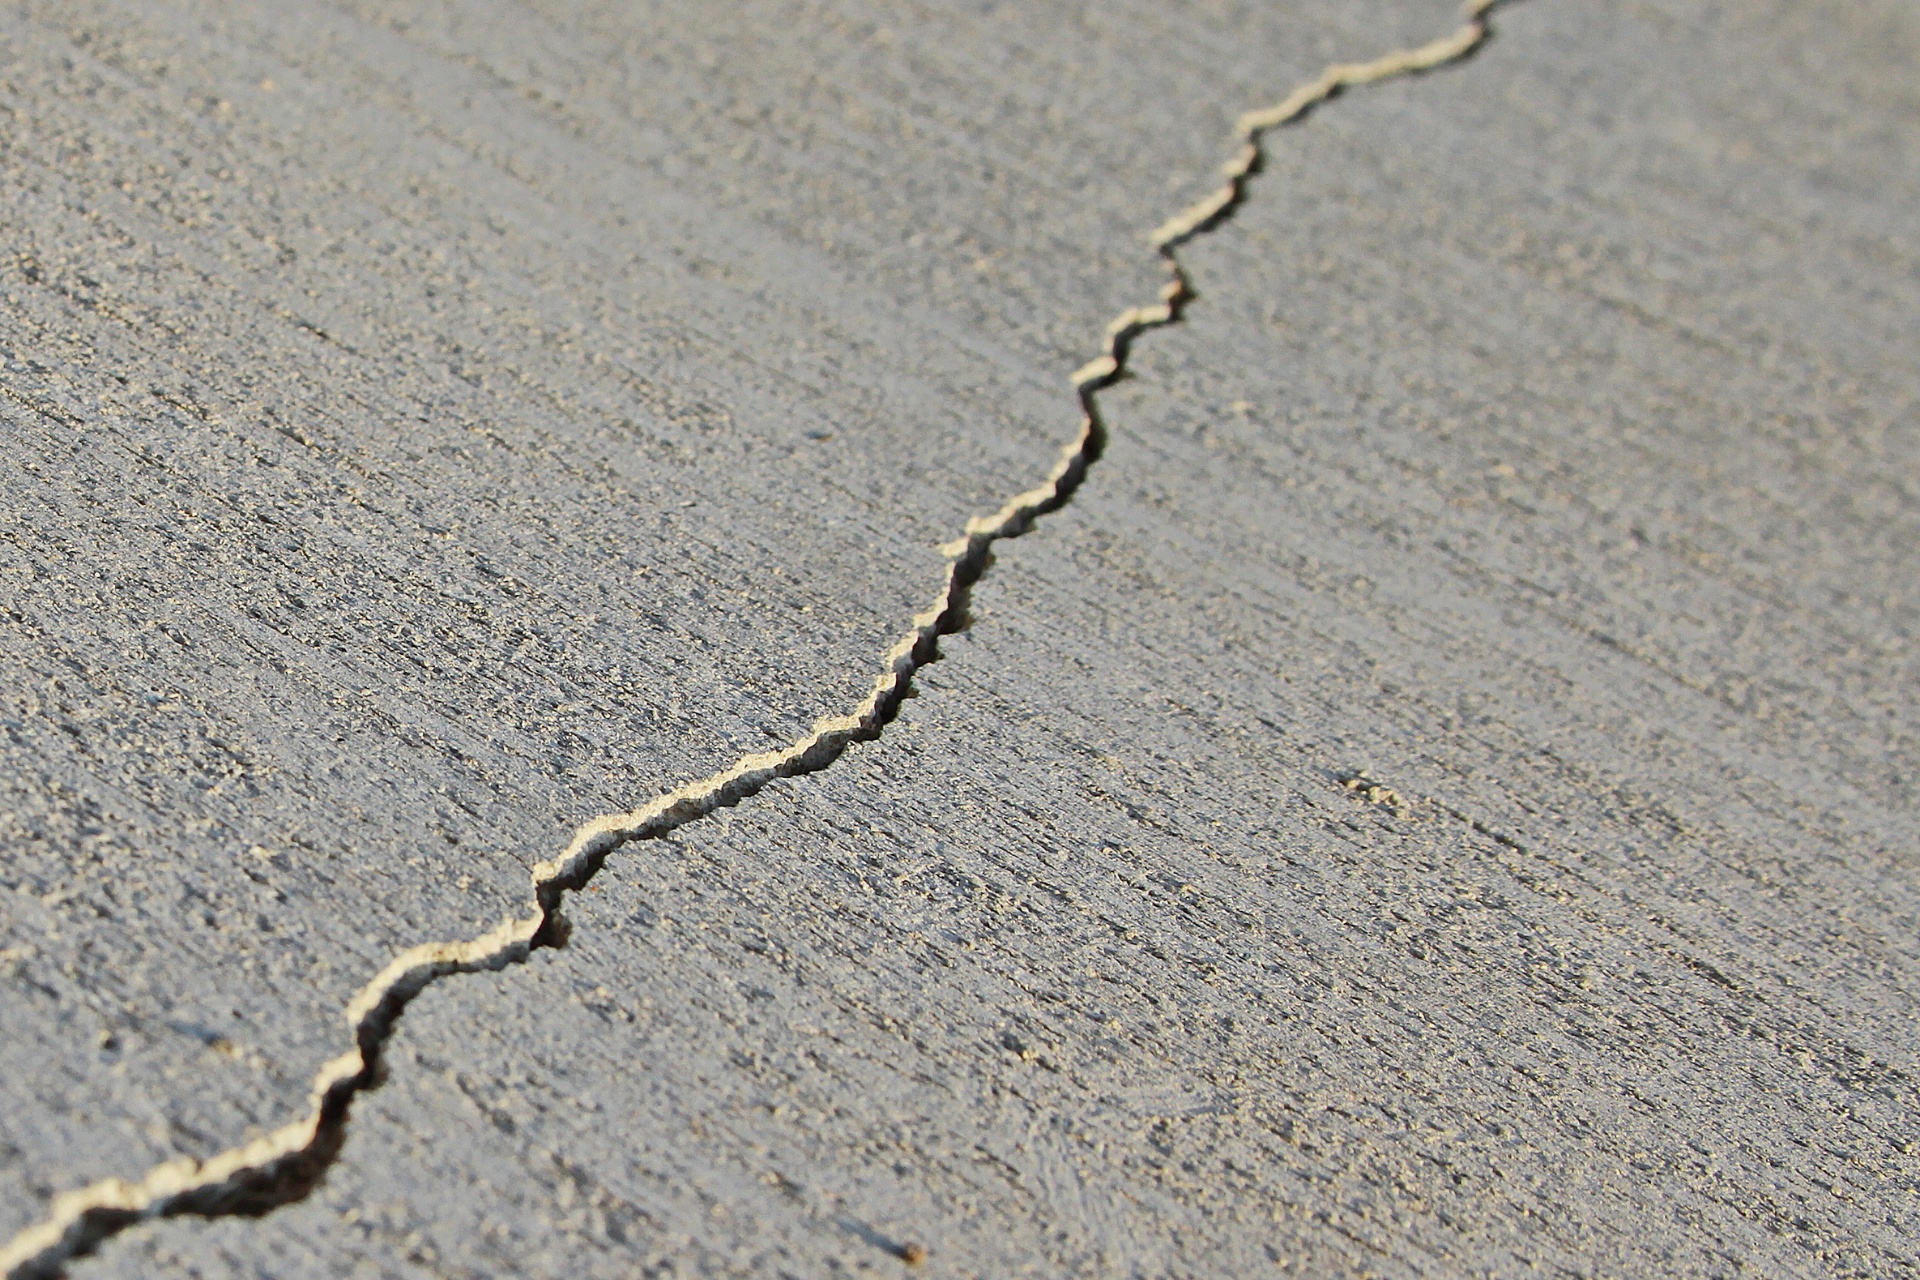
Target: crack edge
{"type": "Point", "coordinates": [284, 1166]}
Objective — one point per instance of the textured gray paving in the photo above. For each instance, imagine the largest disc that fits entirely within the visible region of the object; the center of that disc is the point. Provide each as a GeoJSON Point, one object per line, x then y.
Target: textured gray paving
{"type": "Point", "coordinates": [511, 412]}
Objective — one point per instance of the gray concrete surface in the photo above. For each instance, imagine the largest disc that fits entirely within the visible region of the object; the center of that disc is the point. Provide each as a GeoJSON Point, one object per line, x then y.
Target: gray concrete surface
{"type": "Point", "coordinates": [1440, 801]}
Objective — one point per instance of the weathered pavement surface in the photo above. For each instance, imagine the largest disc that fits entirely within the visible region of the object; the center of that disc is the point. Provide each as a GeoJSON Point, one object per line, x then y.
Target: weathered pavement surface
{"type": "Point", "coordinates": [1439, 801]}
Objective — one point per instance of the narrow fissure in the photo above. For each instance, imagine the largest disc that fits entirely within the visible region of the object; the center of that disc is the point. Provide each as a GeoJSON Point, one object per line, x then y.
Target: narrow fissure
{"type": "Point", "coordinates": [284, 1166]}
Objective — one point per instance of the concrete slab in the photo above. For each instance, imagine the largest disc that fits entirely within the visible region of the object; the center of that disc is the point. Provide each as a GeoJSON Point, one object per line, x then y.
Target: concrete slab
{"type": "Point", "coordinates": [1439, 801]}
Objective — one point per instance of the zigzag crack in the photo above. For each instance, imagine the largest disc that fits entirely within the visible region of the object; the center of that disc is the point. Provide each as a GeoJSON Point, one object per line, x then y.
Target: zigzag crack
{"type": "Point", "coordinates": [284, 1166]}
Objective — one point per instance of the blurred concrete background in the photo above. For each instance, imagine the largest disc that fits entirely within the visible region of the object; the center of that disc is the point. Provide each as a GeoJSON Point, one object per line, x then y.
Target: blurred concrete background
{"type": "Point", "coordinates": [1440, 801]}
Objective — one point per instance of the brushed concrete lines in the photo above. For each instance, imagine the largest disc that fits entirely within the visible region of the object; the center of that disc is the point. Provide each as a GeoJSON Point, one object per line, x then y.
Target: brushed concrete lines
{"type": "Point", "coordinates": [285, 1165]}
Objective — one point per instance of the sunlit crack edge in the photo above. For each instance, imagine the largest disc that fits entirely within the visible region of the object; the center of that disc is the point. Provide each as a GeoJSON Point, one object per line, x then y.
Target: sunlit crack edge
{"type": "Point", "coordinates": [282, 1167]}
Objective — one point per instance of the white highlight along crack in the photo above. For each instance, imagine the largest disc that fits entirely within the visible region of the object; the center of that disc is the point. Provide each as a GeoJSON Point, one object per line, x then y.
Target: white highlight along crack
{"type": "Point", "coordinates": [282, 1167]}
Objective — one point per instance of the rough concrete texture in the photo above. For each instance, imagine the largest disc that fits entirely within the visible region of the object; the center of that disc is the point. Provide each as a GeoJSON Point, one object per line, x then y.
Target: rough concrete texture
{"type": "Point", "coordinates": [1441, 800]}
